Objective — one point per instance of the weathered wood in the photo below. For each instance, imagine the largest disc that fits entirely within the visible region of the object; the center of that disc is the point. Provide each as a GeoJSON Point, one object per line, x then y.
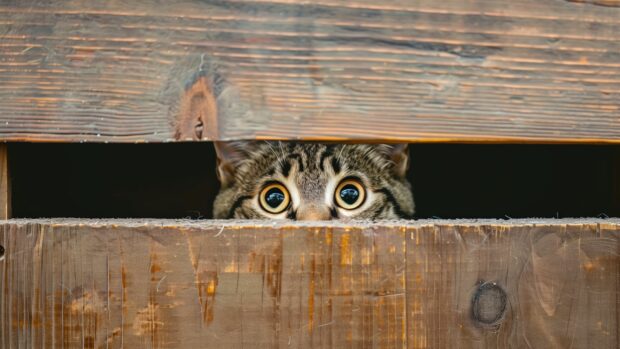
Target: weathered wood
{"type": "Point", "coordinates": [479, 71]}
{"type": "Point", "coordinates": [5, 183]}
{"type": "Point", "coordinates": [183, 284]}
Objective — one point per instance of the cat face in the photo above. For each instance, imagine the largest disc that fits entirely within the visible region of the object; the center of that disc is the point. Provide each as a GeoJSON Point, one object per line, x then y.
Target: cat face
{"type": "Point", "coordinates": [312, 181]}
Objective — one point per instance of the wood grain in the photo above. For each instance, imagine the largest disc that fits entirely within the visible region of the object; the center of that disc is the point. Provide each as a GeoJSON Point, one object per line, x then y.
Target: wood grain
{"type": "Point", "coordinates": [428, 71]}
{"type": "Point", "coordinates": [5, 183]}
{"type": "Point", "coordinates": [215, 284]}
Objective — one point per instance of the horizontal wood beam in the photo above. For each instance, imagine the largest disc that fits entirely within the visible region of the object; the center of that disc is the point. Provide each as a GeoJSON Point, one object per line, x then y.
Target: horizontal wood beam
{"type": "Point", "coordinates": [423, 284]}
{"type": "Point", "coordinates": [423, 71]}
{"type": "Point", "coordinates": [5, 183]}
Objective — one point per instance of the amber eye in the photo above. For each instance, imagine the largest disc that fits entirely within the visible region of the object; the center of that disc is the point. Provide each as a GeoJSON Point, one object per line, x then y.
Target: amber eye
{"type": "Point", "coordinates": [274, 198]}
{"type": "Point", "coordinates": [350, 194]}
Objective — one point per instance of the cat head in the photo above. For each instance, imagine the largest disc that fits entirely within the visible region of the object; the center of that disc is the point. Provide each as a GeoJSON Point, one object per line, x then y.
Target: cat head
{"type": "Point", "coordinates": [312, 181]}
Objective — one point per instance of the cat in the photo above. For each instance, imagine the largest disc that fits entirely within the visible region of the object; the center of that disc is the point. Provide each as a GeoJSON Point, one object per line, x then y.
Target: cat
{"type": "Point", "coordinates": [312, 181]}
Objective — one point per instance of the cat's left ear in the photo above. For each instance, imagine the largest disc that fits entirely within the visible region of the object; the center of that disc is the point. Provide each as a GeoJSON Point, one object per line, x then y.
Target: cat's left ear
{"type": "Point", "coordinates": [399, 155]}
{"type": "Point", "coordinates": [229, 156]}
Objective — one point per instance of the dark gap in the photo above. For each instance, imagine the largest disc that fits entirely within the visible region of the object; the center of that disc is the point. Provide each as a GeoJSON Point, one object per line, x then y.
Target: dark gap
{"type": "Point", "coordinates": [173, 180]}
{"type": "Point", "coordinates": [178, 180]}
{"type": "Point", "coordinates": [517, 181]}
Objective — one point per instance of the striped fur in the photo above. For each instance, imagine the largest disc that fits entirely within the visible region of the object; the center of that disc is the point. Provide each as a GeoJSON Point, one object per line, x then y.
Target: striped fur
{"type": "Point", "coordinates": [311, 172]}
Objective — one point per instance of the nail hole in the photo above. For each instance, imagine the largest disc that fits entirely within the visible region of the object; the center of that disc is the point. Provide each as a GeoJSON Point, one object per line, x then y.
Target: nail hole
{"type": "Point", "coordinates": [489, 304]}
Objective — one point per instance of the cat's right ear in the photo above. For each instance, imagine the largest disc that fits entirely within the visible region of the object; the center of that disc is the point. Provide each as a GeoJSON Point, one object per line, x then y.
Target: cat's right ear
{"type": "Point", "coordinates": [229, 156]}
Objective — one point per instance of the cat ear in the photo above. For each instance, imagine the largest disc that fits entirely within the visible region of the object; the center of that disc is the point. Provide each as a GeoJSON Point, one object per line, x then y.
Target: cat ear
{"type": "Point", "coordinates": [399, 155]}
{"type": "Point", "coordinates": [229, 156]}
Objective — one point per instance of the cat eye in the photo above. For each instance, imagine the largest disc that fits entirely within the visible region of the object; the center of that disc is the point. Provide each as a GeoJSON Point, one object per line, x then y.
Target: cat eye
{"type": "Point", "coordinates": [274, 198]}
{"type": "Point", "coordinates": [350, 194]}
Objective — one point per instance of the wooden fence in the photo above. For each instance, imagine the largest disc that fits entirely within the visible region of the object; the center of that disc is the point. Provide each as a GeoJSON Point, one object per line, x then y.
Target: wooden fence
{"type": "Point", "coordinates": [506, 71]}
{"type": "Point", "coordinates": [216, 284]}
{"type": "Point", "coordinates": [451, 70]}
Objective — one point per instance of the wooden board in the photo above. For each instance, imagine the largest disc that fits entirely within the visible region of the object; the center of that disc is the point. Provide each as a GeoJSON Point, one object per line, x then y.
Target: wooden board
{"type": "Point", "coordinates": [5, 183]}
{"type": "Point", "coordinates": [214, 284]}
{"type": "Point", "coordinates": [453, 70]}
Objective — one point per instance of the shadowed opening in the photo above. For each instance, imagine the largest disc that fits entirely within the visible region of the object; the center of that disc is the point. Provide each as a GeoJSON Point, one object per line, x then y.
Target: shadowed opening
{"type": "Point", "coordinates": [178, 180]}
{"type": "Point", "coordinates": [173, 180]}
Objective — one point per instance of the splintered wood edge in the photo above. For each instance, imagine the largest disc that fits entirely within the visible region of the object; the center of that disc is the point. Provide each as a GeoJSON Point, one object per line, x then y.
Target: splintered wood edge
{"type": "Point", "coordinates": [245, 224]}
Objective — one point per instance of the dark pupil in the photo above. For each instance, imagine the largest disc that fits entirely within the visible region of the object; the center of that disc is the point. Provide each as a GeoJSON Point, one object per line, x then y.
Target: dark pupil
{"type": "Point", "coordinates": [349, 194]}
{"type": "Point", "coordinates": [274, 197]}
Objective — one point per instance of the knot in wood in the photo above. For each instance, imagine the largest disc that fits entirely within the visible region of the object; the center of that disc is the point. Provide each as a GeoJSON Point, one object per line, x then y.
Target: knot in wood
{"type": "Point", "coordinates": [489, 304]}
{"type": "Point", "coordinates": [197, 117]}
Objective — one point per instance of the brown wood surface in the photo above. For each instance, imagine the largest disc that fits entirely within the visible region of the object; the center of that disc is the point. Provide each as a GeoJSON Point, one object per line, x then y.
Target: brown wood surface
{"type": "Point", "coordinates": [5, 184]}
{"type": "Point", "coordinates": [452, 70]}
{"type": "Point", "coordinates": [210, 284]}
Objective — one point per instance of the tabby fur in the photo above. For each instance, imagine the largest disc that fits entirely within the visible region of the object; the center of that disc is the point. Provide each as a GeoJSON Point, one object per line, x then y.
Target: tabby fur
{"type": "Point", "coordinates": [311, 172]}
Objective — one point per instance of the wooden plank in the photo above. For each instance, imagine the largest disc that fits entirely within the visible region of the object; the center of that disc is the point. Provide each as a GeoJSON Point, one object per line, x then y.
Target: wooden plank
{"type": "Point", "coordinates": [5, 184]}
{"type": "Point", "coordinates": [422, 284]}
{"type": "Point", "coordinates": [468, 71]}
{"type": "Point", "coordinates": [544, 270]}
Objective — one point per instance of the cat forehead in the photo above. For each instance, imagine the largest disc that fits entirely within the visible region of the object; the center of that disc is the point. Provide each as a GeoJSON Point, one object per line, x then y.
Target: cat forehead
{"type": "Point", "coordinates": [306, 158]}
{"type": "Point", "coordinates": [309, 161]}
{"type": "Point", "coordinates": [308, 149]}
{"type": "Point", "coordinates": [314, 150]}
